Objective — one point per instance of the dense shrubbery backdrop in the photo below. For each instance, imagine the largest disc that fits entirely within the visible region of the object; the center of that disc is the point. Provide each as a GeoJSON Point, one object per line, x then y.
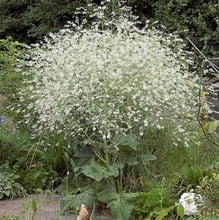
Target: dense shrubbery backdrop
{"type": "Point", "coordinates": [29, 21]}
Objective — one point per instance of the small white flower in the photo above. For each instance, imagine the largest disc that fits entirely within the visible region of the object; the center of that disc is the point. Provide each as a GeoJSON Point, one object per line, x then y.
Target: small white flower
{"type": "Point", "coordinates": [146, 123]}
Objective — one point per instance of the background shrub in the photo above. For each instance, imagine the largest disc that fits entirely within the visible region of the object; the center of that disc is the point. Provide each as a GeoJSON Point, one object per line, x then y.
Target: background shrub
{"type": "Point", "coordinates": [29, 21]}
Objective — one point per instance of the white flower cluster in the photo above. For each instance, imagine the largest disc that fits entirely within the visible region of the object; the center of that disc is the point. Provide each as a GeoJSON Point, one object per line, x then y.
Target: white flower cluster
{"type": "Point", "coordinates": [110, 81]}
{"type": "Point", "coordinates": [190, 202]}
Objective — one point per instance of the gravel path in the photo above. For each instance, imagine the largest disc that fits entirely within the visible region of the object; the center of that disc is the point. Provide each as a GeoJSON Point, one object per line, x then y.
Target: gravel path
{"type": "Point", "coordinates": [48, 209]}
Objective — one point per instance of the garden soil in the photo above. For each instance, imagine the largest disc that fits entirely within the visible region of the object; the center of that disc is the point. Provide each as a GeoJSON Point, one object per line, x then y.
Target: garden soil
{"type": "Point", "coordinates": [48, 208]}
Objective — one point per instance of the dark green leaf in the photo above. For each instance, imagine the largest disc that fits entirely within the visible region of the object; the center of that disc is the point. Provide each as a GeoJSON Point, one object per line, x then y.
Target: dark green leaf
{"type": "Point", "coordinates": [98, 172]}
{"type": "Point", "coordinates": [107, 194]}
{"type": "Point", "coordinates": [126, 142]}
{"type": "Point", "coordinates": [121, 209]}
{"type": "Point", "coordinates": [74, 201]}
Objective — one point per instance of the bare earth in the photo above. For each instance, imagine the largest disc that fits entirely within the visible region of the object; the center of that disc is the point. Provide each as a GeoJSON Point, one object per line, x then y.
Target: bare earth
{"type": "Point", "coordinates": [48, 208]}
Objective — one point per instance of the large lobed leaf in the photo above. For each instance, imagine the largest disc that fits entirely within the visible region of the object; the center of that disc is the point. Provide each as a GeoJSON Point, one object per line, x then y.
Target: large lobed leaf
{"type": "Point", "coordinates": [99, 172]}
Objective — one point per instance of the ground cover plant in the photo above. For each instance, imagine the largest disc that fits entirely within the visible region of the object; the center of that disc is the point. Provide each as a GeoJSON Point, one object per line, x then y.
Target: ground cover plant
{"type": "Point", "coordinates": [111, 108]}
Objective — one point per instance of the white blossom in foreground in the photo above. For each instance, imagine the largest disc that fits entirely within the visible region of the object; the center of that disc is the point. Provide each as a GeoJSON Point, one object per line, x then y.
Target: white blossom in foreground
{"type": "Point", "coordinates": [106, 82]}
{"type": "Point", "coordinates": [190, 202]}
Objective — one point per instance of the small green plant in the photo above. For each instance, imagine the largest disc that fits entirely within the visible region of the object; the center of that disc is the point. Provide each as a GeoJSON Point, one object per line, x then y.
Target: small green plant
{"type": "Point", "coordinates": [157, 201]}
{"type": "Point", "coordinates": [209, 188]}
{"type": "Point", "coordinates": [175, 212]}
{"type": "Point", "coordinates": [29, 210]}
{"type": "Point", "coordinates": [9, 185]}
{"type": "Point", "coordinates": [36, 178]}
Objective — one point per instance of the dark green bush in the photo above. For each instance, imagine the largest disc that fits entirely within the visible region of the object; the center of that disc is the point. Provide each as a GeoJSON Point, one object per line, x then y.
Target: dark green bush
{"type": "Point", "coordinates": [195, 19]}
{"type": "Point", "coordinates": [10, 79]}
{"type": "Point", "coordinates": [29, 21]}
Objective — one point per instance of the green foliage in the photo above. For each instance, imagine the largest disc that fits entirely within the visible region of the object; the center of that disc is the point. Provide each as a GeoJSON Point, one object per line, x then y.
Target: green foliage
{"type": "Point", "coordinates": [203, 218]}
{"type": "Point", "coordinates": [13, 145]}
{"type": "Point", "coordinates": [10, 80]}
{"type": "Point", "coordinates": [99, 172]}
{"type": "Point", "coordinates": [195, 19]}
{"type": "Point", "coordinates": [158, 209]}
{"type": "Point", "coordinates": [27, 21]}
{"type": "Point", "coordinates": [157, 201]}
{"type": "Point", "coordinates": [29, 163]}
{"type": "Point", "coordinates": [209, 188]}
{"type": "Point", "coordinates": [34, 206]}
{"type": "Point", "coordinates": [189, 179]}
{"type": "Point", "coordinates": [37, 178]}
{"type": "Point", "coordinates": [120, 203]}
{"type": "Point", "coordinates": [180, 210]}
{"type": "Point", "coordinates": [211, 126]}
{"type": "Point", "coordinates": [121, 207]}
{"type": "Point", "coordinates": [30, 21]}
{"type": "Point", "coordinates": [193, 176]}
{"type": "Point", "coordinates": [55, 153]}
{"type": "Point", "coordinates": [9, 183]}
{"type": "Point", "coordinates": [87, 197]}
{"type": "Point", "coordinates": [107, 194]}
{"type": "Point", "coordinates": [172, 212]}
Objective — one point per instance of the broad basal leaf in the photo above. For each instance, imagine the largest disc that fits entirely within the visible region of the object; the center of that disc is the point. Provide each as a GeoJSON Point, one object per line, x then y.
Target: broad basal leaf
{"type": "Point", "coordinates": [126, 142]}
{"type": "Point", "coordinates": [121, 208]}
{"type": "Point", "coordinates": [98, 172]}
{"type": "Point", "coordinates": [107, 194]}
{"type": "Point", "coordinates": [74, 201]}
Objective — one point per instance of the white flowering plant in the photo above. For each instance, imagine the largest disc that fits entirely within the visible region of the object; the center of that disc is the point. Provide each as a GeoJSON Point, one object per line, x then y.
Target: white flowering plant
{"type": "Point", "coordinates": [190, 202]}
{"type": "Point", "coordinates": [107, 89]}
{"type": "Point", "coordinates": [115, 82]}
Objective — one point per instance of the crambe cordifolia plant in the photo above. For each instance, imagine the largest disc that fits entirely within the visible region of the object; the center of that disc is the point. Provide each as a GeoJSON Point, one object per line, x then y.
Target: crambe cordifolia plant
{"type": "Point", "coordinates": [108, 88]}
